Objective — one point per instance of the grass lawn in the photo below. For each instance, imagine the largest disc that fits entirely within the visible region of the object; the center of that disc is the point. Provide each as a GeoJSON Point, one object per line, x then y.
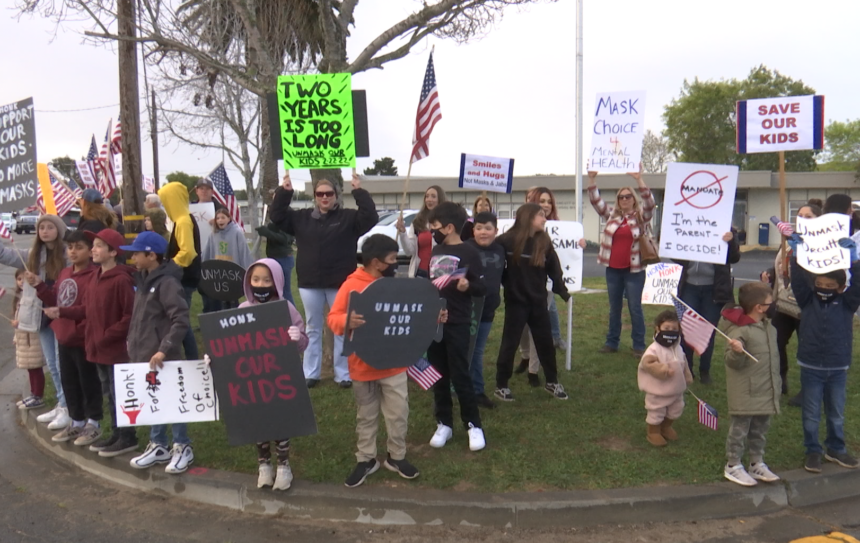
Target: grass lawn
{"type": "Point", "coordinates": [536, 443]}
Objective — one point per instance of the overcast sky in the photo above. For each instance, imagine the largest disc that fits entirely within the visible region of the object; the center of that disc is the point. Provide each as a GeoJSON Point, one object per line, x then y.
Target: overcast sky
{"type": "Point", "coordinates": [510, 94]}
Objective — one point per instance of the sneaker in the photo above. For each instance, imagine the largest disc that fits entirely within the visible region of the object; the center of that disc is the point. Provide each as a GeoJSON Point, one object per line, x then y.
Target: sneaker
{"type": "Point", "coordinates": [311, 383]}
{"type": "Point", "coordinates": [182, 456]}
{"type": "Point", "coordinates": [266, 475]}
{"type": "Point", "coordinates": [401, 467]}
{"type": "Point", "coordinates": [104, 442]}
{"type": "Point", "coordinates": [88, 436]}
{"type": "Point", "coordinates": [484, 401]}
{"type": "Point", "coordinates": [504, 394]}
{"type": "Point", "coordinates": [345, 384]}
{"type": "Point", "coordinates": [524, 365]}
{"type": "Point", "coordinates": [361, 471]}
{"type": "Point", "coordinates": [45, 418]}
{"type": "Point", "coordinates": [121, 446]}
{"type": "Point", "coordinates": [442, 435]}
{"type": "Point", "coordinates": [284, 478]}
{"type": "Point", "coordinates": [761, 472]}
{"type": "Point", "coordinates": [705, 378]}
{"type": "Point", "coordinates": [154, 454]}
{"type": "Point", "coordinates": [21, 402]}
{"type": "Point", "coordinates": [556, 390]}
{"type": "Point", "coordinates": [812, 463]}
{"type": "Point", "coordinates": [737, 474]}
{"type": "Point", "coordinates": [69, 433]}
{"type": "Point", "coordinates": [33, 402]}
{"type": "Point", "coordinates": [61, 420]}
{"type": "Point", "coordinates": [607, 349]}
{"type": "Point", "coordinates": [560, 344]}
{"type": "Point", "coordinates": [843, 459]}
{"type": "Point", "coordinates": [476, 438]}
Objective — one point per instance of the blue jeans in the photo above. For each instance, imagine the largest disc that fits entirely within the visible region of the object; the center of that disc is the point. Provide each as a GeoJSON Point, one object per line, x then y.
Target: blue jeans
{"type": "Point", "coordinates": [617, 281]}
{"type": "Point", "coordinates": [49, 349]}
{"type": "Point", "coordinates": [555, 325]}
{"type": "Point", "coordinates": [287, 264]}
{"type": "Point", "coordinates": [829, 386]}
{"type": "Point", "coordinates": [315, 300]}
{"type": "Point", "coordinates": [701, 299]}
{"type": "Point", "coordinates": [476, 366]}
{"type": "Point", "coordinates": [158, 434]}
{"type": "Point", "coordinates": [188, 342]}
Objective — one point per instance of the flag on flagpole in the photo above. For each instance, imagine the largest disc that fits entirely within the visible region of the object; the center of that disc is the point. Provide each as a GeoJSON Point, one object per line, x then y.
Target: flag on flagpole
{"type": "Point", "coordinates": [92, 165]}
{"type": "Point", "coordinates": [424, 374]}
{"type": "Point", "coordinates": [107, 176]}
{"type": "Point", "coordinates": [429, 113]}
{"type": "Point", "coordinates": [2, 292]}
{"type": "Point", "coordinates": [708, 415]}
{"type": "Point", "coordinates": [64, 199]}
{"type": "Point", "coordinates": [696, 329]}
{"type": "Point", "coordinates": [5, 234]}
{"type": "Point", "coordinates": [223, 192]}
{"type": "Point", "coordinates": [444, 280]}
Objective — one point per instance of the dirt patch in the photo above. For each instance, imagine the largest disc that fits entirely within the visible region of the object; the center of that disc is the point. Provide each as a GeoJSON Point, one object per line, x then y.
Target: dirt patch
{"type": "Point", "coordinates": [615, 443]}
{"type": "Point", "coordinates": [463, 486]}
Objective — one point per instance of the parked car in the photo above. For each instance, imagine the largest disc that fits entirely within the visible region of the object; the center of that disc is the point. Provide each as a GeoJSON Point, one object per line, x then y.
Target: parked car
{"type": "Point", "coordinates": [72, 218]}
{"type": "Point", "coordinates": [387, 225]}
{"type": "Point", "coordinates": [26, 223]}
{"type": "Point", "coordinates": [9, 221]}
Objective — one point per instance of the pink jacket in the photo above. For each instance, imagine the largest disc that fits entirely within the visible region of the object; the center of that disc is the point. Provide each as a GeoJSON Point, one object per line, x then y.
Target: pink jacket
{"type": "Point", "coordinates": [278, 277]}
{"type": "Point", "coordinates": [653, 375]}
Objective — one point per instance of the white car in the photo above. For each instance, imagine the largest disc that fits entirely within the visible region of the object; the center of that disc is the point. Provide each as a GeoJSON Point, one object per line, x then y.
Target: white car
{"type": "Point", "coordinates": [9, 221]}
{"type": "Point", "coordinates": [387, 226]}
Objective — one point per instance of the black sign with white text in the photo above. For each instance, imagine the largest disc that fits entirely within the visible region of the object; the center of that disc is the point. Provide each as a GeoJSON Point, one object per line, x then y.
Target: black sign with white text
{"type": "Point", "coordinates": [18, 177]}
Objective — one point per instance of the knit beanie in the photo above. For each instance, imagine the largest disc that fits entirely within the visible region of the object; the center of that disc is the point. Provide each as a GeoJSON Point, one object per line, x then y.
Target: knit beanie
{"type": "Point", "coordinates": [56, 221]}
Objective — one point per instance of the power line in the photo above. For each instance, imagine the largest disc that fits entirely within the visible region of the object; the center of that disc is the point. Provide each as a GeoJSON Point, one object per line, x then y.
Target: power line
{"type": "Point", "coordinates": [74, 110]}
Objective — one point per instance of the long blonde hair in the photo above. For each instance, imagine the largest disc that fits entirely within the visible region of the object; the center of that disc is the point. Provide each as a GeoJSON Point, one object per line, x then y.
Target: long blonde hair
{"type": "Point", "coordinates": [636, 210]}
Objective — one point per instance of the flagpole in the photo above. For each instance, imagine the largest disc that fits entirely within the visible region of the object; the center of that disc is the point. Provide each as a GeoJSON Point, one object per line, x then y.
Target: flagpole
{"type": "Point", "coordinates": [406, 187]}
{"type": "Point", "coordinates": [15, 247]}
{"type": "Point", "coordinates": [569, 333]}
{"type": "Point", "coordinates": [712, 326]}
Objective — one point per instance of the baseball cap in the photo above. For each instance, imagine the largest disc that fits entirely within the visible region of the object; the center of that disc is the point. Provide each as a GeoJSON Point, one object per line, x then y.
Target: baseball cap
{"type": "Point", "coordinates": [150, 242]}
{"type": "Point", "coordinates": [203, 182]}
{"type": "Point", "coordinates": [110, 236]}
{"type": "Point", "coordinates": [93, 196]}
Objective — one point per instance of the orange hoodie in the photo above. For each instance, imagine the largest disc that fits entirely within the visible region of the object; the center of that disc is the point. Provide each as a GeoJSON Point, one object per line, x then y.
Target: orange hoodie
{"type": "Point", "coordinates": [337, 318]}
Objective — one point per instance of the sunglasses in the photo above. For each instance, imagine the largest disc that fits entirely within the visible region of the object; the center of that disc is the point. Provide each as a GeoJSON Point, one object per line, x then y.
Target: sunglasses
{"type": "Point", "coordinates": [324, 193]}
{"type": "Point", "coordinates": [625, 196]}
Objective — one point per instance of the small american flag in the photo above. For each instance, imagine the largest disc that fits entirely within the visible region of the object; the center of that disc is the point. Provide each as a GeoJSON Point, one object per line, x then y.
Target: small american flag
{"type": "Point", "coordinates": [107, 169]}
{"type": "Point", "coordinates": [64, 198]}
{"type": "Point", "coordinates": [5, 234]}
{"type": "Point", "coordinates": [429, 113]}
{"type": "Point", "coordinates": [424, 374]}
{"type": "Point", "coordinates": [444, 280]}
{"type": "Point", "coordinates": [708, 415]}
{"type": "Point", "coordinates": [2, 292]}
{"type": "Point", "coordinates": [224, 193]}
{"type": "Point", "coordinates": [696, 329]}
{"type": "Point", "coordinates": [784, 228]}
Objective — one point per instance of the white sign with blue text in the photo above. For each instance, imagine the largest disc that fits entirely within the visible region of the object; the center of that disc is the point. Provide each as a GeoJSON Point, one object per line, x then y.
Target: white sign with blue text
{"type": "Point", "coordinates": [617, 132]}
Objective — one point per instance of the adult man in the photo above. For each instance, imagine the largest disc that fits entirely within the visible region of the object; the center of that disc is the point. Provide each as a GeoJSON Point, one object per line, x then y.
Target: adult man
{"type": "Point", "coordinates": [204, 190]}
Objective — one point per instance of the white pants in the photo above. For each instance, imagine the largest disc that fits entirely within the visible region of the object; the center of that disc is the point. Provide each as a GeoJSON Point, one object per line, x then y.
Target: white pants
{"type": "Point", "coordinates": [315, 300]}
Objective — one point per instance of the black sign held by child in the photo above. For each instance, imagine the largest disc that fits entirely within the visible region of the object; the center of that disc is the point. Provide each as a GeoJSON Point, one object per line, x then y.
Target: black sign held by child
{"type": "Point", "coordinates": [222, 280]}
{"type": "Point", "coordinates": [18, 177]}
{"type": "Point", "coordinates": [258, 374]}
{"type": "Point", "coordinates": [401, 320]}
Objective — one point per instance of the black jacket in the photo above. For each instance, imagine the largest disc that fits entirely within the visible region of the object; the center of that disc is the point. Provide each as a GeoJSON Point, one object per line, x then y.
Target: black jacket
{"type": "Point", "coordinates": [278, 244]}
{"type": "Point", "coordinates": [160, 318]}
{"type": "Point", "coordinates": [723, 283]}
{"type": "Point", "coordinates": [191, 274]}
{"type": "Point", "coordinates": [326, 244]}
{"type": "Point", "coordinates": [524, 283]}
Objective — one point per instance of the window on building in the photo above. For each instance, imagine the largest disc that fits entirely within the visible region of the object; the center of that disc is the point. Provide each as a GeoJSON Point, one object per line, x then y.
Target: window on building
{"type": "Point", "coordinates": [793, 207]}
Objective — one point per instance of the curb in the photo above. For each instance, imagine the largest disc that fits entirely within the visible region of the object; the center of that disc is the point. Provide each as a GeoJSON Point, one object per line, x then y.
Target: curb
{"type": "Point", "coordinates": [383, 506]}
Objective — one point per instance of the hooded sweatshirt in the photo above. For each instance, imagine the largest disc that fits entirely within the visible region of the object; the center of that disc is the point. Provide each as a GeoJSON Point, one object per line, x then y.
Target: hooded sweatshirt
{"type": "Point", "coordinates": [228, 244]}
{"type": "Point", "coordinates": [358, 369]}
{"type": "Point", "coordinates": [278, 278]}
{"type": "Point", "coordinates": [69, 291]}
{"type": "Point", "coordinates": [184, 245]}
{"type": "Point", "coordinates": [160, 318]}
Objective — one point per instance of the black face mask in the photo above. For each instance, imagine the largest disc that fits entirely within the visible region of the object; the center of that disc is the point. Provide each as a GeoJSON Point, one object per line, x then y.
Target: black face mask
{"type": "Point", "coordinates": [390, 271]}
{"type": "Point", "coordinates": [264, 294]}
{"type": "Point", "coordinates": [771, 311]}
{"type": "Point", "coordinates": [826, 295]}
{"type": "Point", "coordinates": [439, 237]}
{"type": "Point", "coordinates": [667, 339]}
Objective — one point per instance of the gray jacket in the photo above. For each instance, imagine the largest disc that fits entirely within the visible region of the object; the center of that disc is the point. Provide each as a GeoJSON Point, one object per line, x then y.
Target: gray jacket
{"type": "Point", "coordinates": [160, 318]}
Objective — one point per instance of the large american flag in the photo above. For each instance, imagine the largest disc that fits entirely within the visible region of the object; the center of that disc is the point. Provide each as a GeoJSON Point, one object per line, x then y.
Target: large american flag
{"type": "Point", "coordinates": [424, 374]}
{"type": "Point", "coordinates": [92, 163]}
{"type": "Point", "coordinates": [429, 113]}
{"type": "Point", "coordinates": [107, 177]}
{"type": "Point", "coordinates": [708, 415]}
{"type": "Point", "coordinates": [224, 193]}
{"type": "Point", "coordinates": [696, 329]}
{"type": "Point", "coordinates": [64, 198]}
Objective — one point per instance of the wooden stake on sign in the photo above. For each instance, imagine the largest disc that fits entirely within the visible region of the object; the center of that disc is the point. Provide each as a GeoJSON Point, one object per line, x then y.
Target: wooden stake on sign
{"type": "Point", "coordinates": [783, 213]}
{"type": "Point", "coordinates": [15, 247]}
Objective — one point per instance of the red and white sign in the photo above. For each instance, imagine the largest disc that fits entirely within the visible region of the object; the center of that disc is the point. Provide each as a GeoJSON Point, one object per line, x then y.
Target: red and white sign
{"type": "Point", "coordinates": [790, 123]}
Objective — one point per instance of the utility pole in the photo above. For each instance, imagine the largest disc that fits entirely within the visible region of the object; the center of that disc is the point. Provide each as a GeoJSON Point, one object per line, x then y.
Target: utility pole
{"type": "Point", "coordinates": [129, 107]}
{"type": "Point", "coordinates": [153, 123]}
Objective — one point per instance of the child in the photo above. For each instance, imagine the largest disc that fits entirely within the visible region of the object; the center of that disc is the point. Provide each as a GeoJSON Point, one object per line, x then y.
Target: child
{"type": "Point", "coordinates": [264, 282]}
{"type": "Point", "coordinates": [450, 355]}
{"type": "Point", "coordinates": [156, 221]}
{"type": "Point", "coordinates": [824, 354]}
{"type": "Point", "coordinates": [530, 261]}
{"type": "Point", "coordinates": [753, 387]}
{"type": "Point", "coordinates": [492, 254]}
{"type": "Point", "coordinates": [81, 382]}
{"type": "Point", "coordinates": [663, 376]}
{"type": "Point", "coordinates": [227, 242]}
{"type": "Point", "coordinates": [374, 389]}
{"type": "Point", "coordinates": [28, 352]}
{"type": "Point", "coordinates": [159, 322]}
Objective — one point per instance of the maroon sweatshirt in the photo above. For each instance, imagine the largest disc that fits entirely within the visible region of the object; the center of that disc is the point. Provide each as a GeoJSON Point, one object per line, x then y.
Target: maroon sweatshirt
{"type": "Point", "coordinates": [67, 292]}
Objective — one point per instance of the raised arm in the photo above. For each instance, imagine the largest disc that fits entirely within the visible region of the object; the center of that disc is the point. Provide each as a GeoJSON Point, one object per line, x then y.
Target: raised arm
{"type": "Point", "coordinates": [801, 283]}
{"type": "Point", "coordinates": [280, 212]}
{"type": "Point", "coordinates": [594, 196]}
{"type": "Point", "coordinates": [648, 203]}
{"type": "Point", "coordinates": [366, 217]}
{"type": "Point", "coordinates": [14, 258]}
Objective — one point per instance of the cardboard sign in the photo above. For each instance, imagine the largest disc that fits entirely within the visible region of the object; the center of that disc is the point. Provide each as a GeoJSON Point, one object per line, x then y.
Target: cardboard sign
{"type": "Point", "coordinates": [478, 172]}
{"type": "Point", "coordinates": [661, 283]}
{"type": "Point", "coordinates": [617, 132]}
{"type": "Point", "coordinates": [258, 373]}
{"type": "Point", "coordinates": [820, 251]}
{"type": "Point", "coordinates": [474, 323]}
{"type": "Point", "coordinates": [789, 123]}
{"type": "Point", "coordinates": [203, 213]}
{"type": "Point", "coordinates": [697, 211]}
{"type": "Point", "coordinates": [222, 280]}
{"type": "Point", "coordinates": [18, 175]}
{"type": "Point", "coordinates": [181, 391]}
{"type": "Point", "coordinates": [565, 237]}
{"type": "Point", "coordinates": [401, 320]}
{"type": "Point", "coordinates": [317, 129]}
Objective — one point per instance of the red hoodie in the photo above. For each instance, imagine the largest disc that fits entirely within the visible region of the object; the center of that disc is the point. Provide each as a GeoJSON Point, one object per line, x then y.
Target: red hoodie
{"type": "Point", "coordinates": [67, 292]}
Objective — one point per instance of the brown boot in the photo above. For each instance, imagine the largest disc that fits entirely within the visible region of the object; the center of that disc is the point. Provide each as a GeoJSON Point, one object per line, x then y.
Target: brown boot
{"type": "Point", "coordinates": [667, 431]}
{"type": "Point", "coordinates": [654, 437]}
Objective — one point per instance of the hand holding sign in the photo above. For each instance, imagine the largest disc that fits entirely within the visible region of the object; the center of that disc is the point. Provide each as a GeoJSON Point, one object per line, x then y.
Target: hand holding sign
{"type": "Point", "coordinates": [287, 184]}
{"type": "Point", "coordinates": [851, 245]}
{"type": "Point", "coordinates": [820, 250]}
{"type": "Point", "coordinates": [356, 181]}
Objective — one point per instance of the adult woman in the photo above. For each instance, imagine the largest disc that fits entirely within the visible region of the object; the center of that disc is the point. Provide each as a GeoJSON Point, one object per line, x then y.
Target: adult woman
{"type": "Point", "coordinates": [417, 241]}
{"type": "Point", "coordinates": [326, 241]}
{"type": "Point", "coordinates": [95, 216]}
{"type": "Point", "coordinates": [482, 204]}
{"type": "Point", "coordinates": [619, 252]}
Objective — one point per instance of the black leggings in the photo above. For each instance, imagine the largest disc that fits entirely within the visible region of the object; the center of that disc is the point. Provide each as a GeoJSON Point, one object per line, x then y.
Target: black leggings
{"type": "Point", "coordinates": [264, 452]}
{"type": "Point", "coordinates": [785, 326]}
{"type": "Point", "coordinates": [516, 318]}
{"type": "Point", "coordinates": [81, 384]}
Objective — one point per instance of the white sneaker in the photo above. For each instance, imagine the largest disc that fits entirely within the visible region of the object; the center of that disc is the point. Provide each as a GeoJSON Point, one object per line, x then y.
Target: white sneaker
{"type": "Point", "coordinates": [442, 435]}
{"type": "Point", "coordinates": [761, 472]}
{"type": "Point", "coordinates": [45, 418]}
{"type": "Point", "coordinates": [284, 478]}
{"type": "Point", "coordinates": [737, 474]}
{"type": "Point", "coordinates": [266, 476]}
{"type": "Point", "coordinates": [61, 420]}
{"type": "Point", "coordinates": [154, 454]}
{"type": "Point", "coordinates": [182, 457]}
{"type": "Point", "coordinates": [476, 438]}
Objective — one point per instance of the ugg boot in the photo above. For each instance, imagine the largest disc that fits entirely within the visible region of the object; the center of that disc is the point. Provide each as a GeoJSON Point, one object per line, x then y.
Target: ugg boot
{"type": "Point", "coordinates": [654, 436]}
{"type": "Point", "coordinates": [667, 431]}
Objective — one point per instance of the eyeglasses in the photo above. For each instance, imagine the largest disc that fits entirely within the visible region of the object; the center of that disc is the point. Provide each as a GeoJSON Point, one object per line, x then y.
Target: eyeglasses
{"type": "Point", "coordinates": [625, 196]}
{"type": "Point", "coordinates": [324, 193]}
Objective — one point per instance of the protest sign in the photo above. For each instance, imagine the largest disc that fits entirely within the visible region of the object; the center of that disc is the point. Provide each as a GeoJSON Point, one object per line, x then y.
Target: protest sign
{"type": "Point", "coordinates": [661, 283]}
{"type": "Point", "coordinates": [18, 171]}
{"type": "Point", "coordinates": [820, 251]}
{"type": "Point", "coordinates": [789, 123]}
{"type": "Point", "coordinates": [181, 391]}
{"type": "Point", "coordinates": [203, 213]}
{"type": "Point", "coordinates": [401, 320]}
{"type": "Point", "coordinates": [258, 373]}
{"type": "Point", "coordinates": [222, 280]}
{"type": "Point", "coordinates": [87, 176]}
{"type": "Point", "coordinates": [565, 237]}
{"type": "Point", "coordinates": [617, 132]}
{"type": "Point", "coordinates": [697, 211]}
{"type": "Point", "coordinates": [478, 172]}
{"type": "Point", "coordinates": [316, 121]}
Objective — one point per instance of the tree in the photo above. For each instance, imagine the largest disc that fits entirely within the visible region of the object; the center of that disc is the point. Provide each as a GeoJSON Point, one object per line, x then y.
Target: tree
{"type": "Point", "coordinates": [382, 166]}
{"type": "Point", "coordinates": [655, 153]}
{"type": "Point", "coordinates": [841, 147]}
{"type": "Point", "coordinates": [701, 126]}
{"type": "Point", "coordinates": [190, 181]}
